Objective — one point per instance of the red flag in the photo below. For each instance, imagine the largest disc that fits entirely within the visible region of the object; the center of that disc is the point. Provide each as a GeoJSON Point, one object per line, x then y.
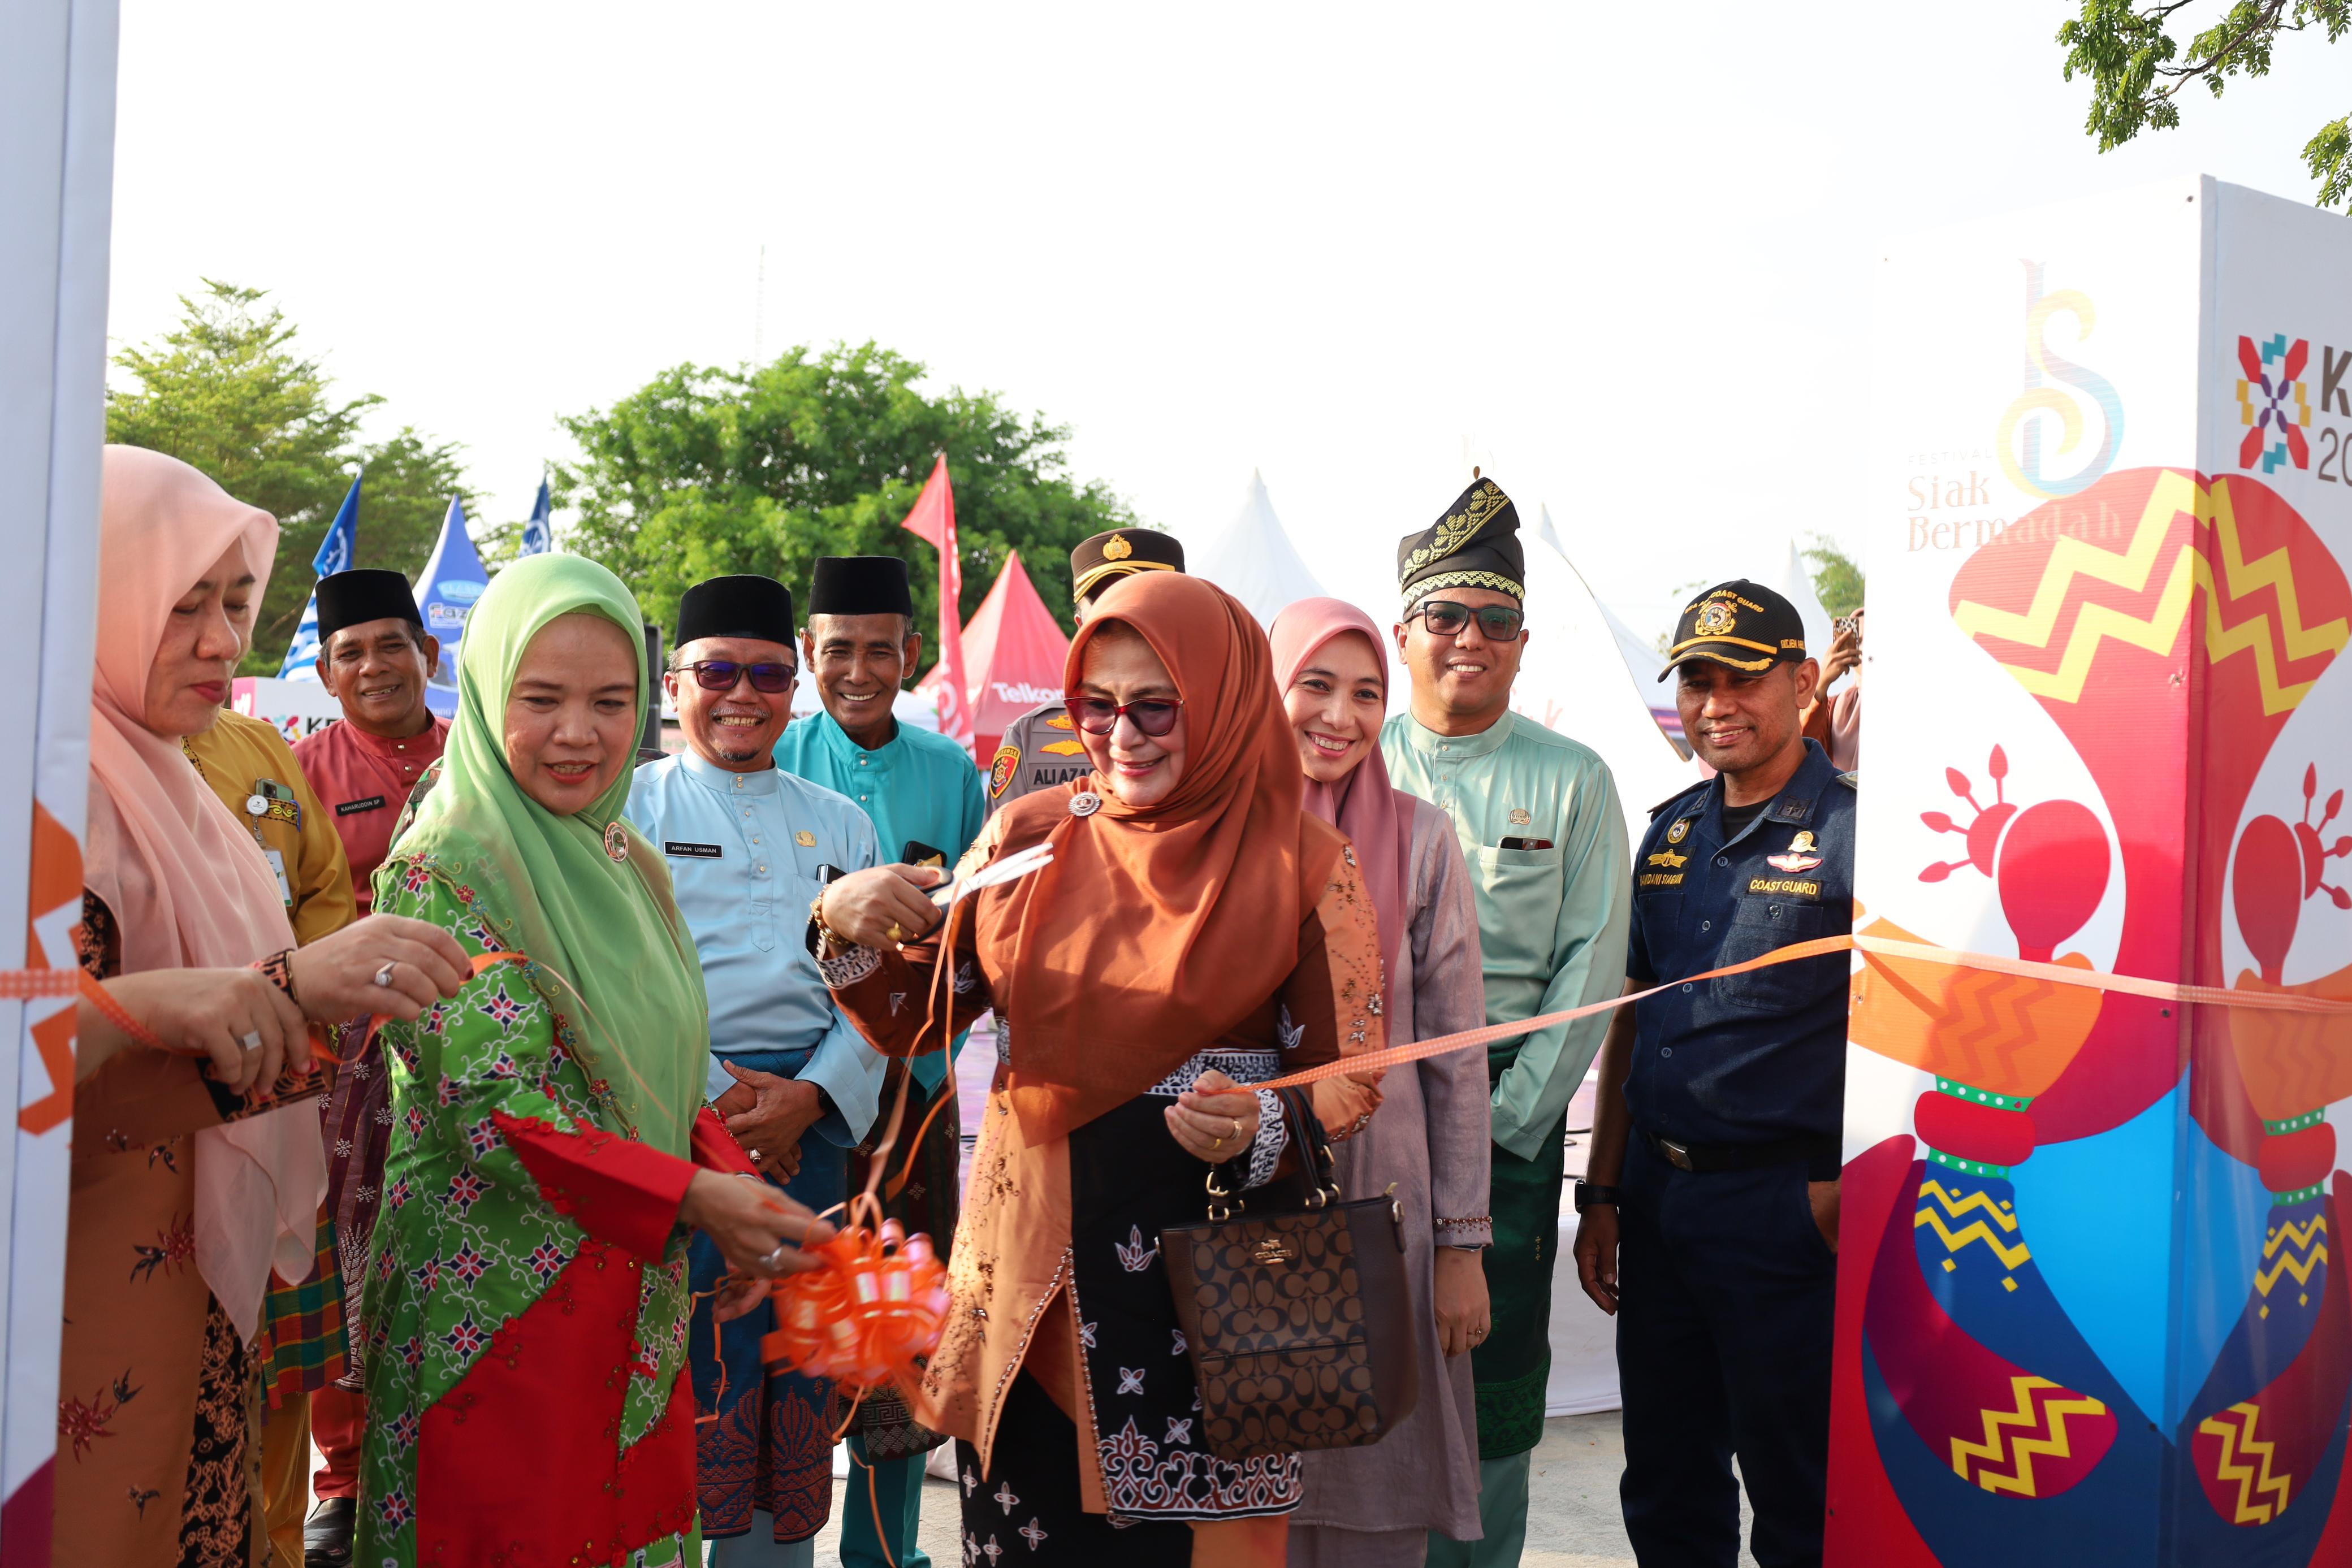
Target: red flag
{"type": "Point", "coordinates": [932, 518]}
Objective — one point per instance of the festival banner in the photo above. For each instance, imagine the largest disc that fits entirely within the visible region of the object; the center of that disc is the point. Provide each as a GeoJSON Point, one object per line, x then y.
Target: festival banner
{"type": "Point", "coordinates": [2089, 1311]}
{"type": "Point", "coordinates": [57, 156]}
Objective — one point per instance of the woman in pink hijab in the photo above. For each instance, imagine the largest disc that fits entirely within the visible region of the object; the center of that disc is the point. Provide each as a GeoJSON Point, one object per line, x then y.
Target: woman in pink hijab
{"type": "Point", "coordinates": [197, 1168]}
{"type": "Point", "coordinates": [1371, 1506]}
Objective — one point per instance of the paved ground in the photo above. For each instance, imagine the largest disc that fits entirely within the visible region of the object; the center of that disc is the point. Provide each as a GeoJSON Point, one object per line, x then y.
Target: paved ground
{"type": "Point", "coordinates": [1572, 1519]}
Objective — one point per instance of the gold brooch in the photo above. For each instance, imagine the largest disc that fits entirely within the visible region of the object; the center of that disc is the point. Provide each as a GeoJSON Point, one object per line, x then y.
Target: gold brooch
{"type": "Point", "coordinates": [1117, 549]}
{"type": "Point", "coordinates": [806, 839]}
{"type": "Point", "coordinates": [616, 839]}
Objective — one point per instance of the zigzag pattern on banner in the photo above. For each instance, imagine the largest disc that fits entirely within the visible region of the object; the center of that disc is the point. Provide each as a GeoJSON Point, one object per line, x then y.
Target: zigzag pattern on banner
{"type": "Point", "coordinates": [2252, 1474]}
{"type": "Point", "coordinates": [2012, 1439]}
{"type": "Point", "coordinates": [2174, 493]}
{"type": "Point", "coordinates": [1977, 1230]}
{"type": "Point", "coordinates": [2294, 1249]}
{"type": "Point", "coordinates": [2242, 579]}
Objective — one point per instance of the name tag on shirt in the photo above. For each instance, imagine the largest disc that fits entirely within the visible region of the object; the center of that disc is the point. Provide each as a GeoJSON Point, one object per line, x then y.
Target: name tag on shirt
{"type": "Point", "coordinates": [278, 866]}
{"type": "Point", "coordinates": [690, 852]}
{"type": "Point", "coordinates": [345, 808]}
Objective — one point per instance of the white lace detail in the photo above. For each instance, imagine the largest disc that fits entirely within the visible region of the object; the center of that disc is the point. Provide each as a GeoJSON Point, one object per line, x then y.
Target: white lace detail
{"type": "Point", "coordinates": [1266, 1152]}
{"type": "Point", "coordinates": [1241, 1066]}
{"type": "Point", "coordinates": [849, 969]}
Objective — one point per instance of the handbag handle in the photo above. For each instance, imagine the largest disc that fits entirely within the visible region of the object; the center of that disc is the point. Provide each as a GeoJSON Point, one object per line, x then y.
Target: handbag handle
{"type": "Point", "coordinates": [1318, 1183]}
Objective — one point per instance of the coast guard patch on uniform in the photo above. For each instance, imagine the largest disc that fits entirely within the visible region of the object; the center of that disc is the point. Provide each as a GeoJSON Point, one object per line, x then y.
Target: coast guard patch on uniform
{"type": "Point", "coordinates": [1000, 769]}
{"type": "Point", "coordinates": [1679, 831]}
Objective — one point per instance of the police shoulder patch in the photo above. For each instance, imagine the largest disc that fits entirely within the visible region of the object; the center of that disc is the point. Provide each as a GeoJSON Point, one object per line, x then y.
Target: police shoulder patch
{"type": "Point", "coordinates": [1000, 768]}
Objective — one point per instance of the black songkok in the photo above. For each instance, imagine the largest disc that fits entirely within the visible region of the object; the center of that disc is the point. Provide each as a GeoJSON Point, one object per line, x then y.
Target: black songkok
{"type": "Point", "coordinates": [1103, 559]}
{"type": "Point", "coordinates": [746, 606]}
{"type": "Point", "coordinates": [354, 598]}
{"type": "Point", "coordinates": [1475, 545]}
{"type": "Point", "coordinates": [860, 585]}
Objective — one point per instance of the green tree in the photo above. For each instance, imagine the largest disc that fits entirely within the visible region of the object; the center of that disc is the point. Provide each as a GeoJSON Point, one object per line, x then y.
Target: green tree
{"type": "Point", "coordinates": [1837, 578]}
{"type": "Point", "coordinates": [764, 468]}
{"type": "Point", "coordinates": [226, 391]}
{"type": "Point", "coordinates": [2138, 70]}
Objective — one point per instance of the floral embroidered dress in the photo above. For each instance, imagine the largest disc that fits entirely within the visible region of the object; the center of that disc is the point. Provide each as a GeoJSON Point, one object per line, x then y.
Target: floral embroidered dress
{"type": "Point", "coordinates": [527, 1295]}
{"type": "Point", "coordinates": [526, 1302]}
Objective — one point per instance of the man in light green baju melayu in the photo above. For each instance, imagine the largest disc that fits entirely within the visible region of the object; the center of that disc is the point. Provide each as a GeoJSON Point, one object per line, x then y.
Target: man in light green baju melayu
{"type": "Point", "coordinates": [1539, 823]}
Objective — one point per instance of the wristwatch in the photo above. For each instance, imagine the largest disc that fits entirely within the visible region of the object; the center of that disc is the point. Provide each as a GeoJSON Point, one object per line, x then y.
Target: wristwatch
{"type": "Point", "coordinates": [1590, 1193]}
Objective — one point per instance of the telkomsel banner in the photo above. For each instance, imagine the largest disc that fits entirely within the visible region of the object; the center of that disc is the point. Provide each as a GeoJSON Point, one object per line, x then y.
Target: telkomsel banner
{"type": "Point", "coordinates": [2091, 1309]}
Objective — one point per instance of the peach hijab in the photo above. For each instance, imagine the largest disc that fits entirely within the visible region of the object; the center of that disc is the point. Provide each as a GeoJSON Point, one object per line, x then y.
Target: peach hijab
{"type": "Point", "coordinates": [187, 884]}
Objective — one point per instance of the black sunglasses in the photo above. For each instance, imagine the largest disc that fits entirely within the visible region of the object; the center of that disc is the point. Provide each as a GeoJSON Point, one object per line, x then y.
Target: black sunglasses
{"type": "Point", "coordinates": [720, 675]}
{"type": "Point", "coordinates": [1155, 717]}
{"type": "Point", "coordinates": [1444, 617]}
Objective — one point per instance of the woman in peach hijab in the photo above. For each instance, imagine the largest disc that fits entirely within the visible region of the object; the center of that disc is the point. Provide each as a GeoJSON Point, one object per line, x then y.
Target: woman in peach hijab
{"type": "Point", "coordinates": [1197, 932]}
{"type": "Point", "coordinates": [196, 1164]}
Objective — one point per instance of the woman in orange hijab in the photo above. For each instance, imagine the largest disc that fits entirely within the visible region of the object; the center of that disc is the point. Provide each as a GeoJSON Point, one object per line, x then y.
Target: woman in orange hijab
{"type": "Point", "coordinates": [197, 1168]}
{"type": "Point", "coordinates": [1196, 933]}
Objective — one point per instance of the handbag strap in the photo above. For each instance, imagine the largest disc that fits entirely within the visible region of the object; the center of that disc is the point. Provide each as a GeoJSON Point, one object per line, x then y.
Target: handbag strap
{"type": "Point", "coordinates": [1319, 1183]}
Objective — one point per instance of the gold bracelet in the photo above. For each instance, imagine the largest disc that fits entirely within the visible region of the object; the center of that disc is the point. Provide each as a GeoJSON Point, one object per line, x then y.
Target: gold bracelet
{"type": "Point", "coordinates": [827, 933]}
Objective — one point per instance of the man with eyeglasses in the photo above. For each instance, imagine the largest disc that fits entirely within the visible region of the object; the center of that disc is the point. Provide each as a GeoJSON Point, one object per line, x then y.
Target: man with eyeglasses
{"type": "Point", "coordinates": [1539, 820]}
{"type": "Point", "coordinates": [927, 804]}
{"type": "Point", "coordinates": [746, 842]}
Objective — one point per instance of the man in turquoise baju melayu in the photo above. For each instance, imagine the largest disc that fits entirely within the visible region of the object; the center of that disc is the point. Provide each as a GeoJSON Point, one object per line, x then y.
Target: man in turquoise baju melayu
{"type": "Point", "coordinates": [1539, 823]}
{"type": "Point", "coordinates": [920, 788]}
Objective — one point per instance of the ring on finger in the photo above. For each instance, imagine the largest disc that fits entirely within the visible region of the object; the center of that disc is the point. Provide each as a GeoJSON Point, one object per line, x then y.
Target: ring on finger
{"type": "Point", "coordinates": [775, 1260]}
{"type": "Point", "coordinates": [384, 976]}
{"type": "Point", "coordinates": [251, 1041]}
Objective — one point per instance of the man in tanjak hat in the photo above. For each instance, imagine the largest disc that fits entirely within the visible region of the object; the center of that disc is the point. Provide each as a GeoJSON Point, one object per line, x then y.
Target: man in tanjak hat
{"type": "Point", "coordinates": [1041, 750]}
{"type": "Point", "coordinates": [747, 843]}
{"type": "Point", "coordinates": [927, 805]}
{"type": "Point", "coordinates": [374, 657]}
{"type": "Point", "coordinates": [1538, 817]}
{"type": "Point", "coordinates": [1710, 1203]}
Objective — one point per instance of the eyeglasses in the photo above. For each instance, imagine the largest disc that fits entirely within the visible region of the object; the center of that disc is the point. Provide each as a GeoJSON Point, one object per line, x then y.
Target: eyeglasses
{"type": "Point", "coordinates": [1444, 617]}
{"type": "Point", "coordinates": [1155, 717]}
{"type": "Point", "coordinates": [720, 675]}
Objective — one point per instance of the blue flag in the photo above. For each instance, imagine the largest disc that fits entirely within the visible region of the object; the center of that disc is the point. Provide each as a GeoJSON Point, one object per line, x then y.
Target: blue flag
{"type": "Point", "coordinates": [539, 533]}
{"type": "Point", "coordinates": [334, 555]}
{"type": "Point", "coordinates": [453, 580]}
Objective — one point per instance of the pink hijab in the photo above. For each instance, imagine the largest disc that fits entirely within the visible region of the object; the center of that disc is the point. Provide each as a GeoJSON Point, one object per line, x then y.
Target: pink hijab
{"type": "Point", "coordinates": [1376, 816]}
{"type": "Point", "coordinates": [187, 884]}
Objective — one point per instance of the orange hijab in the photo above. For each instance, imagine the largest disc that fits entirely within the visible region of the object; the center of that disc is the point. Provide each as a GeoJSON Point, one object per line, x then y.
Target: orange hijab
{"type": "Point", "coordinates": [1155, 931]}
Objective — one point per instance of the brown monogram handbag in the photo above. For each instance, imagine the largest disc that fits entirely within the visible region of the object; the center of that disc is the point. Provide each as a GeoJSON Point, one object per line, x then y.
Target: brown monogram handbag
{"type": "Point", "coordinates": [1298, 1320]}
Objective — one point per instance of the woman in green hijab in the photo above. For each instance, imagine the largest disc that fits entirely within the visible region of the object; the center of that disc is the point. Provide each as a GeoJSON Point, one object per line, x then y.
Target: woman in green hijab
{"type": "Point", "coordinates": [549, 1153]}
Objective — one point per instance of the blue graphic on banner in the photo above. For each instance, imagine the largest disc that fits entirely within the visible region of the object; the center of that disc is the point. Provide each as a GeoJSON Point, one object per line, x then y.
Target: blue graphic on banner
{"type": "Point", "coordinates": [453, 580]}
{"type": "Point", "coordinates": [538, 531]}
{"type": "Point", "coordinates": [300, 662]}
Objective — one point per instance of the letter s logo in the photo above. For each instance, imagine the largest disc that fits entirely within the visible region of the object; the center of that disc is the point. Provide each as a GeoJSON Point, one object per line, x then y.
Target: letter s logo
{"type": "Point", "coordinates": [2025, 468]}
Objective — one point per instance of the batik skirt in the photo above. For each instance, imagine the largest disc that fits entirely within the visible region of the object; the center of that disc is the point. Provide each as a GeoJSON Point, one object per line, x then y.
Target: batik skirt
{"type": "Point", "coordinates": [762, 1440]}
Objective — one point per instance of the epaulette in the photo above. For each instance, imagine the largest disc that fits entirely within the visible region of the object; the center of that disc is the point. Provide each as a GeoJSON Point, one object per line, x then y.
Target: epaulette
{"type": "Point", "coordinates": [1678, 795]}
{"type": "Point", "coordinates": [1852, 781]}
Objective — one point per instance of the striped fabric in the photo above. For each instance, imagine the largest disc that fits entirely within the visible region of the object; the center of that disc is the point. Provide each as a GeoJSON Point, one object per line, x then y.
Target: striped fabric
{"type": "Point", "coordinates": [302, 1344]}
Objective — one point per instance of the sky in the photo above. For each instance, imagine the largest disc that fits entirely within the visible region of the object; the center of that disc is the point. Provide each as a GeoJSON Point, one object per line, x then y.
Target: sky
{"type": "Point", "coordinates": [1618, 256]}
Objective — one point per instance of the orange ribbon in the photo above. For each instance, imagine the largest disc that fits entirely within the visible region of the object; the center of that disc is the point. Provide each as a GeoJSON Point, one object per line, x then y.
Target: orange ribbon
{"type": "Point", "coordinates": [1885, 947]}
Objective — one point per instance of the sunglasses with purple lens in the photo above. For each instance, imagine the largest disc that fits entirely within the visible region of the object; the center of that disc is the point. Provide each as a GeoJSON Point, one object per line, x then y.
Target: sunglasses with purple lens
{"type": "Point", "coordinates": [1155, 717]}
{"type": "Point", "coordinates": [720, 675]}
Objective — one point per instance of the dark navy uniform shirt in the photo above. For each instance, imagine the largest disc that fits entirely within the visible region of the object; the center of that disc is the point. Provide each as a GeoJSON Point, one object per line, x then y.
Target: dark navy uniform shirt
{"type": "Point", "coordinates": [1758, 1057]}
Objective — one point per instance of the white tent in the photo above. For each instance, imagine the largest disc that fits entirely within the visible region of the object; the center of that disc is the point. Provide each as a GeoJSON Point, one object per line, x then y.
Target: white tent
{"type": "Point", "coordinates": [1575, 679]}
{"type": "Point", "coordinates": [1252, 557]}
{"type": "Point", "coordinates": [1798, 586]}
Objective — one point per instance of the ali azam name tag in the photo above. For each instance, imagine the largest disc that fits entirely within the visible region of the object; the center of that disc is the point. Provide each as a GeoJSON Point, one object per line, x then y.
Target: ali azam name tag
{"type": "Point", "coordinates": [690, 852]}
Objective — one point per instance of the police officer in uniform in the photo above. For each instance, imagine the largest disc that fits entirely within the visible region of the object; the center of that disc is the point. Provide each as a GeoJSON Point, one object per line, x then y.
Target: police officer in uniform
{"type": "Point", "coordinates": [1040, 749]}
{"type": "Point", "coordinates": [1710, 1206]}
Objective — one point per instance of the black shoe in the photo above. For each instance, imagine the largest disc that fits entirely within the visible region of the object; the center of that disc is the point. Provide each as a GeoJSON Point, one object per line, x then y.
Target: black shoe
{"type": "Point", "coordinates": [327, 1533]}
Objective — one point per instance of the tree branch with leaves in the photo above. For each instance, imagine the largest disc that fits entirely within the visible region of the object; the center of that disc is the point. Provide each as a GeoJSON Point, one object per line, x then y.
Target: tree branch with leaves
{"type": "Point", "coordinates": [2138, 70]}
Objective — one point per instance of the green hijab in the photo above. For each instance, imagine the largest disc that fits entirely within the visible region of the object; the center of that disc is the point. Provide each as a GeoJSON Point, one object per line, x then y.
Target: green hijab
{"type": "Point", "coordinates": [608, 931]}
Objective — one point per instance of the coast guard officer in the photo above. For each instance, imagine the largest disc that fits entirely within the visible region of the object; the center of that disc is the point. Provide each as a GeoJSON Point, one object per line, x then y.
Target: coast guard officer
{"type": "Point", "coordinates": [1710, 1208]}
